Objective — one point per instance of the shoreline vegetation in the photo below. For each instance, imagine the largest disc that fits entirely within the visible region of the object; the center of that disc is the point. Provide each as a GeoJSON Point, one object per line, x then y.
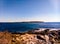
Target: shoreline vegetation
{"type": "Point", "coordinates": [36, 36]}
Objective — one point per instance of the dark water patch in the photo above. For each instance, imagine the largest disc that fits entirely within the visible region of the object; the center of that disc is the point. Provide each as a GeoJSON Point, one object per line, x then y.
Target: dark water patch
{"type": "Point", "coordinates": [27, 26]}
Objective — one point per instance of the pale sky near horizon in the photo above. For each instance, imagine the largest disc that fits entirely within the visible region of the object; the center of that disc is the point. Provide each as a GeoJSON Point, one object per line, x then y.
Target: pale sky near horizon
{"type": "Point", "coordinates": [29, 10]}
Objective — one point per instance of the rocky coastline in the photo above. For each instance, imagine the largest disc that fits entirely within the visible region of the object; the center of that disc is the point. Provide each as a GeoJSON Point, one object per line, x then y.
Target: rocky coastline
{"type": "Point", "coordinates": [36, 36]}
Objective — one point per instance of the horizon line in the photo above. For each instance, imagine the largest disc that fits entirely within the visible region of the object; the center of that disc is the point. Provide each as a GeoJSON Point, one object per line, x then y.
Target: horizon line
{"type": "Point", "coordinates": [29, 21]}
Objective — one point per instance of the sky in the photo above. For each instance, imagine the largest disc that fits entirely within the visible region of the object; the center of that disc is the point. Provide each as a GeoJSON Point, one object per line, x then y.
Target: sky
{"type": "Point", "coordinates": [29, 10]}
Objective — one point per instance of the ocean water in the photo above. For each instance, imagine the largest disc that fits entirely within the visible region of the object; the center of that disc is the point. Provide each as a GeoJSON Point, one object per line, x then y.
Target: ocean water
{"type": "Point", "coordinates": [17, 27]}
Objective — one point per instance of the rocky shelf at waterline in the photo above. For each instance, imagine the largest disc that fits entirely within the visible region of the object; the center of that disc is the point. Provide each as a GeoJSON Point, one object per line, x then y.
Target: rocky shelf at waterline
{"type": "Point", "coordinates": [37, 36]}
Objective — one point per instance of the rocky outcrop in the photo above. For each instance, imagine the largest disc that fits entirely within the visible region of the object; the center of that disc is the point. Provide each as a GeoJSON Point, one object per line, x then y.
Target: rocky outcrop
{"type": "Point", "coordinates": [5, 38]}
{"type": "Point", "coordinates": [37, 36]}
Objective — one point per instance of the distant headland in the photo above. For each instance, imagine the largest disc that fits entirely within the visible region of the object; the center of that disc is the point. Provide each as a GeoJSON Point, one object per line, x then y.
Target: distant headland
{"type": "Point", "coordinates": [25, 22]}
{"type": "Point", "coordinates": [33, 22]}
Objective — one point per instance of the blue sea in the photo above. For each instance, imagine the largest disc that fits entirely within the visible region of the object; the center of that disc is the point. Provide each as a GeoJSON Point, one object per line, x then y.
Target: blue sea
{"type": "Point", "coordinates": [19, 26]}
